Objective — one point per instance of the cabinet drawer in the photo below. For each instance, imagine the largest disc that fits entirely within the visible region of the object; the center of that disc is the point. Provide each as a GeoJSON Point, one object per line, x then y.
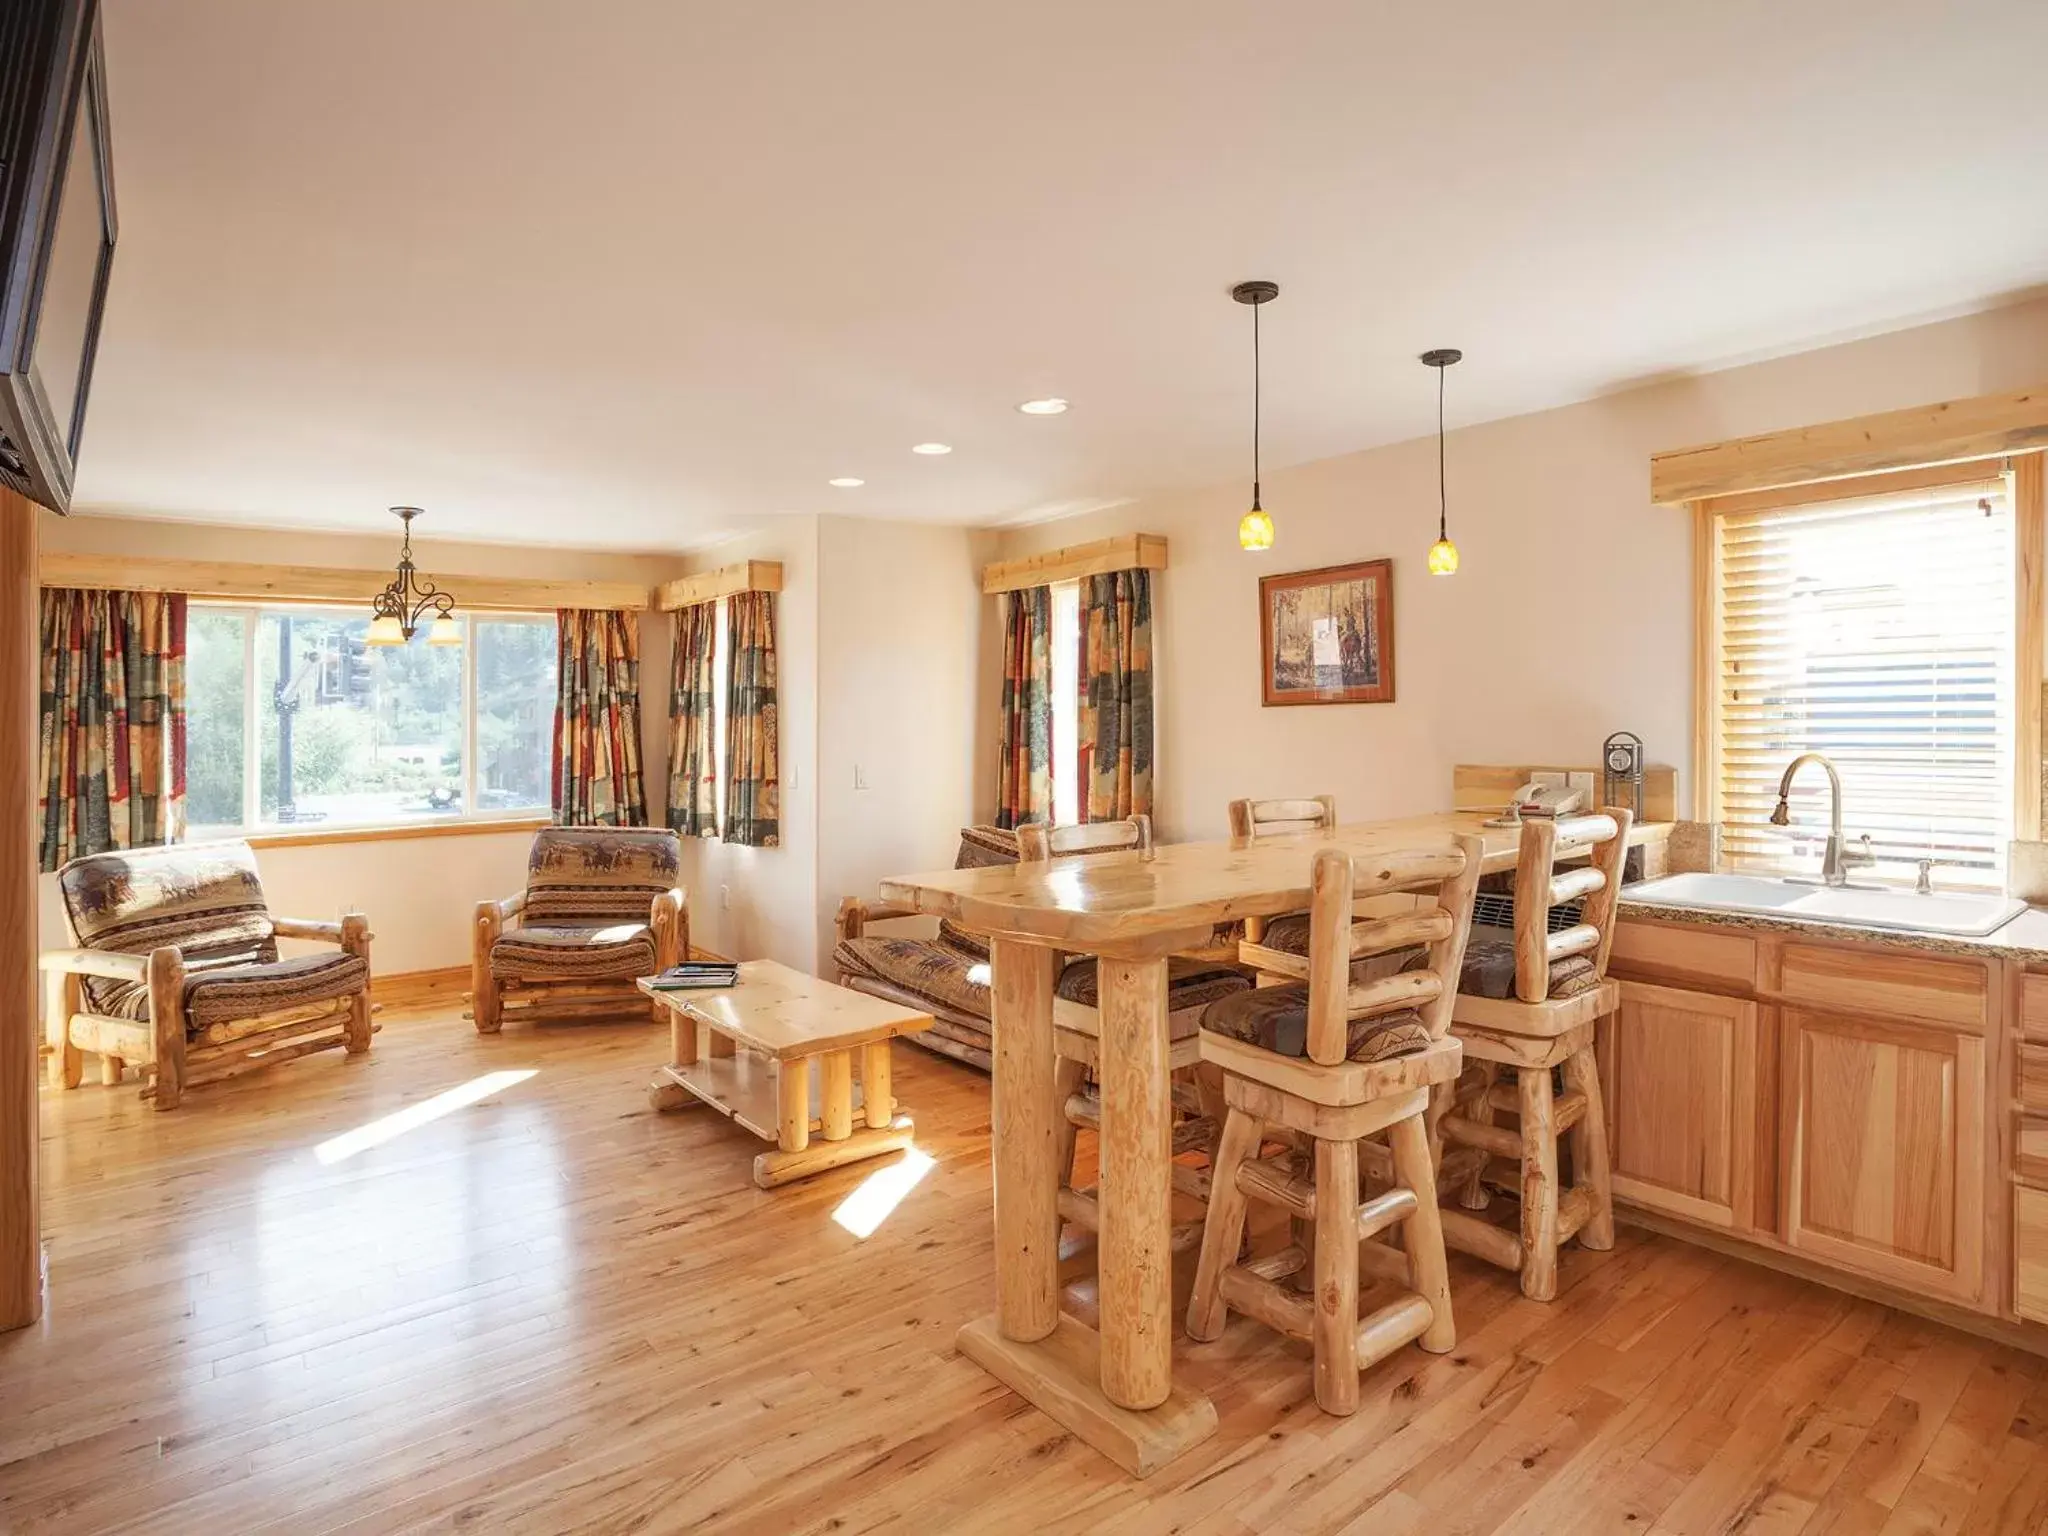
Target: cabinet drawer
{"type": "Point", "coordinates": [2030, 1150]}
{"type": "Point", "coordinates": [2030, 1254]}
{"type": "Point", "coordinates": [1656, 952]}
{"type": "Point", "coordinates": [2034, 1006]}
{"type": "Point", "coordinates": [2033, 1075]}
{"type": "Point", "coordinates": [1871, 983]}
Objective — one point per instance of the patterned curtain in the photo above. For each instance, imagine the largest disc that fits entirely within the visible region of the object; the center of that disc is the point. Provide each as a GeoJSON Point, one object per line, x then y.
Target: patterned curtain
{"type": "Point", "coordinates": [752, 787]}
{"type": "Point", "coordinates": [597, 719]}
{"type": "Point", "coordinates": [692, 764]}
{"type": "Point", "coordinates": [112, 743]}
{"type": "Point", "coordinates": [1116, 696]}
{"type": "Point", "coordinates": [1024, 754]}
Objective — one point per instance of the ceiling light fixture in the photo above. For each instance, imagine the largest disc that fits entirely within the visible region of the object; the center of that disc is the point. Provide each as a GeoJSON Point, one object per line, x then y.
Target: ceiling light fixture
{"type": "Point", "coordinates": [931, 450]}
{"type": "Point", "coordinates": [398, 608]}
{"type": "Point", "coordinates": [1443, 554]}
{"type": "Point", "coordinates": [1255, 528]}
{"type": "Point", "coordinates": [846, 482]}
{"type": "Point", "coordinates": [1051, 405]}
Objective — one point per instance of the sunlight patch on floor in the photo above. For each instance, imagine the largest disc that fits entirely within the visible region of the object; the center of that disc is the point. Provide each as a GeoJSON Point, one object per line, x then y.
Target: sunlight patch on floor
{"type": "Point", "coordinates": [413, 1116]}
{"type": "Point", "coordinates": [881, 1192]}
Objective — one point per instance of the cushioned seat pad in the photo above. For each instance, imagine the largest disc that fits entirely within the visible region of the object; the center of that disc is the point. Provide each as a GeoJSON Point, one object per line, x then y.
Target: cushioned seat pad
{"type": "Point", "coordinates": [1276, 1019]}
{"type": "Point", "coordinates": [247, 990]}
{"type": "Point", "coordinates": [574, 952]}
{"type": "Point", "coordinates": [1189, 984]}
{"type": "Point", "coordinates": [1489, 969]}
{"type": "Point", "coordinates": [224, 993]}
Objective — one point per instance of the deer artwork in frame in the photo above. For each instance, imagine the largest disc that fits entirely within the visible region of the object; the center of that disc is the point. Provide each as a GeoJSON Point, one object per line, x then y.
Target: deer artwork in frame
{"type": "Point", "coordinates": [1326, 636]}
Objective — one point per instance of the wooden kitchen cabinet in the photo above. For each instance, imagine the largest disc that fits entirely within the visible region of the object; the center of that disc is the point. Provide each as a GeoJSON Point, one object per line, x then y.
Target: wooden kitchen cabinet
{"type": "Point", "coordinates": [1679, 1071]}
{"type": "Point", "coordinates": [1882, 1148]}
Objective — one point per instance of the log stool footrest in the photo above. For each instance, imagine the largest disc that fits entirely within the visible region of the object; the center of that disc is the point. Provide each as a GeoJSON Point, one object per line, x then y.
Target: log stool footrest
{"type": "Point", "coordinates": [776, 1054]}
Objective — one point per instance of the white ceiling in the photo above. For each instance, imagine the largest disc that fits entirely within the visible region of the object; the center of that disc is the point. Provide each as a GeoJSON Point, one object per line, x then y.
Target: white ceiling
{"type": "Point", "coordinates": [630, 273]}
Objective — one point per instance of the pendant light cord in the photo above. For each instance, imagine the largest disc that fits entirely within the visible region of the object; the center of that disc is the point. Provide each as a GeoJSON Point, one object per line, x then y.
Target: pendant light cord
{"type": "Point", "coordinates": [1255, 407]}
{"type": "Point", "coordinates": [1442, 520]}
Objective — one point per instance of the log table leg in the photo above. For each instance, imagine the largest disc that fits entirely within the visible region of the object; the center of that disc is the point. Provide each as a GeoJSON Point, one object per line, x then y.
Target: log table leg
{"type": "Point", "coordinates": [1135, 1262]}
{"type": "Point", "coordinates": [1115, 1389]}
{"type": "Point", "coordinates": [877, 1094]}
{"type": "Point", "coordinates": [835, 1076]}
{"type": "Point", "coordinates": [793, 1105]}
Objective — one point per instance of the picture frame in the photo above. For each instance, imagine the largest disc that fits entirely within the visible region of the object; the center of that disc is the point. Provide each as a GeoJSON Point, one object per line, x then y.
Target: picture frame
{"type": "Point", "coordinates": [1326, 636]}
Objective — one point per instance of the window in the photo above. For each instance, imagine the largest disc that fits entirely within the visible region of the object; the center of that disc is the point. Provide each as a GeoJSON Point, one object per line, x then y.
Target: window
{"type": "Point", "coordinates": [1880, 631]}
{"type": "Point", "coordinates": [292, 719]}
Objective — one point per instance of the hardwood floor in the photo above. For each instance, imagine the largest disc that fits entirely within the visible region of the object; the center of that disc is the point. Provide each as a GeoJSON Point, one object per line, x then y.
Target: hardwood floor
{"type": "Point", "coordinates": [552, 1310]}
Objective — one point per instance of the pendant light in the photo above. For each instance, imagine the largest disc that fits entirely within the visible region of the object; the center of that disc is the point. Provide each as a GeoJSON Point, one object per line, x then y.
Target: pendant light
{"type": "Point", "coordinates": [1443, 554]}
{"type": "Point", "coordinates": [1255, 528]}
{"type": "Point", "coordinates": [397, 610]}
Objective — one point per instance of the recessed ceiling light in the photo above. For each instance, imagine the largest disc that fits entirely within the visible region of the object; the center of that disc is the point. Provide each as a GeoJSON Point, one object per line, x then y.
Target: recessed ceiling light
{"type": "Point", "coordinates": [846, 482]}
{"type": "Point", "coordinates": [1051, 405]}
{"type": "Point", "coordinates": [932, 449]}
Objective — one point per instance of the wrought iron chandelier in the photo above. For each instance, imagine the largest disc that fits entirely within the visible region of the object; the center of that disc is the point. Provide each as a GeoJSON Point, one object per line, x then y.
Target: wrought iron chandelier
{"type": "Point", "coordinates": [400, 606]}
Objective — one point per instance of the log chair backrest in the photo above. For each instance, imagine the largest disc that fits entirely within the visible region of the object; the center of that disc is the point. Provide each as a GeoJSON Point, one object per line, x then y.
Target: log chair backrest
{"type": "Point", "coordinates": [1449, 877]}
{"type": "Point", "coordinates": [1254, 819]}
{"type": "Point", "coordinates": [1040, 842]}
{"type": "Point", "coordinates": [1539, 886]}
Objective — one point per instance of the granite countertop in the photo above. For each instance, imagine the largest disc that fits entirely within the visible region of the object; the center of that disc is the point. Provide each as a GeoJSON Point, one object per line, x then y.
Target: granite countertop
{"type": "Point", "coordinates": [2024, 938]}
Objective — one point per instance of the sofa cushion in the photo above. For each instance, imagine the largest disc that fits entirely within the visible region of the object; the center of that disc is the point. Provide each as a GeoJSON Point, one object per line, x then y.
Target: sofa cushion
{"type": "Point", "coordinates": [1489, 969]}
{"type": "Point", "coordinates": [203, 899]}
{"type": "Point", "coordinates": [966, 940]}
{"type": "Point", "coordinates": [579, 875]}
{"type": "Point", "coordinates": [226, 993]}
{"type": "Point", "coordinates": [217, 997]}
{"type": "Point", "coordinates": [574, 952]}
{"type": "Point", "coordinates": [1276, 1019]}
{"type": "Point", "coordinates": [937, 974]}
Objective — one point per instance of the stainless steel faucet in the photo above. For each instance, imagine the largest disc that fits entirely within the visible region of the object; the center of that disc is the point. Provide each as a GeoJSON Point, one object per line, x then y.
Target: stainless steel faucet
{"type": "Point", "coordinates": [1839, 859]}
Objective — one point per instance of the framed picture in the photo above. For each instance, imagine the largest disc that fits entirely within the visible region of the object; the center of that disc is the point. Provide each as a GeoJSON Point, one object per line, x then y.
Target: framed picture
{"type": "Point", "coordinates": [1327, 636]}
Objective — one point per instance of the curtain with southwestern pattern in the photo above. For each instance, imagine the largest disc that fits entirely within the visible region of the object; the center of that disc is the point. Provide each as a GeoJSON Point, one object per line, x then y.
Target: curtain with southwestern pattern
{"type": "Point", "coordinates": [112, 741]}
{"type": "Point", "coordinates": [752, 787]}
{"type": "Point", "coordinates": [1115, 735]}
{"type": "Point", "coordinates": [597, 719]}
{"type": "Point", "coordinates": [692, 760]}
{"type": "Point", "coordinates": [1024, 753]}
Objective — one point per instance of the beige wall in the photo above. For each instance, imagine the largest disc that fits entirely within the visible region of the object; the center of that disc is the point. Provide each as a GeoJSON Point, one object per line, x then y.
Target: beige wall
{"type": "Point", "coordinates": [1572, 615]}
{"type": "Point", "coordinates": [418, 892]}
{"type": "Point", "coordinates": [898, 623]}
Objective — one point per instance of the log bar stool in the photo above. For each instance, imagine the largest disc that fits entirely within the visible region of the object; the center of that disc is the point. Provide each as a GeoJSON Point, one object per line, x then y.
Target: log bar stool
{"type": "Point", "coordinates": [1337, 1060]}
{"type": "Point", "coordinates": [1077, 1024]}
{"type": "Point", "coordinates": [1529, 1003]}
{"type": "Point", "coordinates": [1250, 822]}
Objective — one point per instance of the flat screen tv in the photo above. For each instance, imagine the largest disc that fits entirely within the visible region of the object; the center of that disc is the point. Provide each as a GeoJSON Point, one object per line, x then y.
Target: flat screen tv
{"type": "Point", "coordinates": [56, 237]}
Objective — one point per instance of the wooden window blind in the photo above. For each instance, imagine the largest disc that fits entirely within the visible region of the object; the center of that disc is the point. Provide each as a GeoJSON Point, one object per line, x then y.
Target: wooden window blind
{"type": "Point", "coordinates": [1881, 632]}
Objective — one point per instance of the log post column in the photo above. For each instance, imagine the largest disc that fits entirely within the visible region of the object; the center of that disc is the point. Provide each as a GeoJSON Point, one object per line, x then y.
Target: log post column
{"type": "Point", "coordinates": [21, 1291]}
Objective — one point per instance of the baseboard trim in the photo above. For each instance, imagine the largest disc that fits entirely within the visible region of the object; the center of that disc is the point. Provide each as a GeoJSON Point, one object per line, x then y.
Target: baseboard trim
{"type": "Point", "coordinates": [450, 983]}
{"type": "Point", "coordinates": [2022, 1336]}
{"type": "Point", "coordinates": [416, 989]}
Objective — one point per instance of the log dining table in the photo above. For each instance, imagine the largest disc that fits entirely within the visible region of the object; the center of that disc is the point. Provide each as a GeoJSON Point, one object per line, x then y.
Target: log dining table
{"type": "Point", "coordinates": [1115, 1388]}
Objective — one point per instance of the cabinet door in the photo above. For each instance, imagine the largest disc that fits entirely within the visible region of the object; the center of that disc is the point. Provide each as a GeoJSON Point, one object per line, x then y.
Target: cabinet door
{"type": "Point", "coordinates": [1884, 1149]}
{"type": "Point", "coordinates": [1679, 1070]}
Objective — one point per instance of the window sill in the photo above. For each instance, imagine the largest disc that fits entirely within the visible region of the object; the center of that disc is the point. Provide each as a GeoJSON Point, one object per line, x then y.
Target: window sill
{"type": "Point", "coordinates": [311, 836]}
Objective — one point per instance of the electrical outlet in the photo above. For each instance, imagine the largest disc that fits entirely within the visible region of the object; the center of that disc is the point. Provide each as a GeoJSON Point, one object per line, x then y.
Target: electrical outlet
{"type": "Point", "coordinates": [860, 777]}
{"type": "Point", "coordinates": [725, 898]}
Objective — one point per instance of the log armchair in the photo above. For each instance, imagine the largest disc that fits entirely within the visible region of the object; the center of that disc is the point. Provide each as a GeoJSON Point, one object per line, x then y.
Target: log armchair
{"type": "Point", "coordinates": [175, 969]}
{"type": "Point", "coordinates": [601, 909]}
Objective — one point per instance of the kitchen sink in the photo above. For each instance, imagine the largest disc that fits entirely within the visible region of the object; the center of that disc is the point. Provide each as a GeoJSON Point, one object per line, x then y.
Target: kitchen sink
{"type": "Point", "coordinates": [1957, 914]}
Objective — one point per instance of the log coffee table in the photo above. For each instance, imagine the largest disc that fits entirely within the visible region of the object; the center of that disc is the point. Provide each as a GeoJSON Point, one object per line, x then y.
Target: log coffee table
{"type": "Point", "coordinates": [775, 1054]}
